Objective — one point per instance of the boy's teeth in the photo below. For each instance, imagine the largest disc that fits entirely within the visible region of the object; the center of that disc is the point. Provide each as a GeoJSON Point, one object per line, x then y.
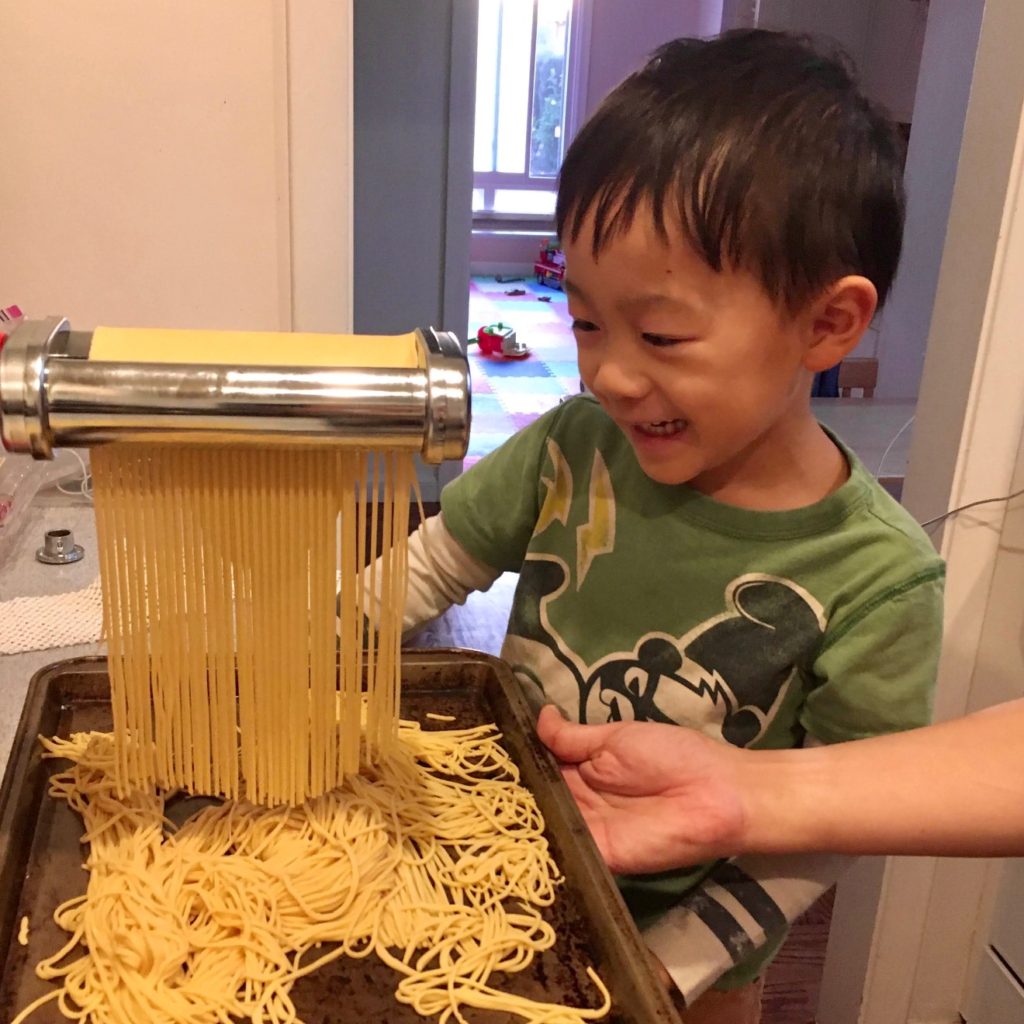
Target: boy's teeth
{"type": "Point", "coordinates": [664, 427]}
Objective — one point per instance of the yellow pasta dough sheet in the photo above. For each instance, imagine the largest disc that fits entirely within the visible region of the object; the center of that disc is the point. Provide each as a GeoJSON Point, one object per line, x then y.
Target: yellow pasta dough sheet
{"type": "Point", "coordinates": [256, 348]}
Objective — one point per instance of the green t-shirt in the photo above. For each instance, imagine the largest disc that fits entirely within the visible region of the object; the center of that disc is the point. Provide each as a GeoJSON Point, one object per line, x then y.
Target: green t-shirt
{"type": "Point", "coordinates": [641, 600]}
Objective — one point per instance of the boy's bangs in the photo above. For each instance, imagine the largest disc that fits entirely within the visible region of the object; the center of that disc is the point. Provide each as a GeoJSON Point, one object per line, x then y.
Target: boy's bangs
{"type": "Point", "coordinates": [759, 151]}
{"type": "Point", "coordinates": [707, 197]}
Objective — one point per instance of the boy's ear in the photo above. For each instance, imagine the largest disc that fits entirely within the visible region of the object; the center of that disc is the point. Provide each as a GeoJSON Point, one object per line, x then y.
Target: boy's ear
{"type": "Point", "coordinates": [837, 319]}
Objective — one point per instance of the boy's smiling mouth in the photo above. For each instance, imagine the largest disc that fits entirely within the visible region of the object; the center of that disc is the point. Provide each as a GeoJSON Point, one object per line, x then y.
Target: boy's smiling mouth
{"type": "Point", "coordinates": [661, 428]}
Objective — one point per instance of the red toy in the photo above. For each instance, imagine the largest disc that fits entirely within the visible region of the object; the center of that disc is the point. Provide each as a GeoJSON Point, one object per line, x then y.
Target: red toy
{"type": "Point", "coordinates": [550, 265]}
{"type": "Point", "coordinates": [500, 340]}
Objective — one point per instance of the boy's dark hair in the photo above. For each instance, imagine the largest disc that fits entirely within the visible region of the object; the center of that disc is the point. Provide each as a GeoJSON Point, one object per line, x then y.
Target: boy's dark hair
{"type": "Point", "coordinates": [764, 150]}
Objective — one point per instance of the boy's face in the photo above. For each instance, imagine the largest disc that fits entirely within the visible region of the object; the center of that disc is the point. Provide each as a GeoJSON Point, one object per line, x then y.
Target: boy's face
{"type": "Point", "coordinates": [698, 368]}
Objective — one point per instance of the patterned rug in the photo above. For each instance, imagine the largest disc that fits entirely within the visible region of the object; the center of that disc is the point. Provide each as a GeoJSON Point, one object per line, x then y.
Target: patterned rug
{"type": "Point", "coordinates": [509, 394]}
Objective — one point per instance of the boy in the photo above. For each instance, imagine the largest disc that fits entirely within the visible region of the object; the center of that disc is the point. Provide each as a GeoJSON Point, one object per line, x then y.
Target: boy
{"type": "Point", "coordinates": [692, 546]}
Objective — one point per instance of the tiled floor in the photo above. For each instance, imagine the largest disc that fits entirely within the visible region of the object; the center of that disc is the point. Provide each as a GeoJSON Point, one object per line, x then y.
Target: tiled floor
{"type": "Point", "coordinates": [508, 394]}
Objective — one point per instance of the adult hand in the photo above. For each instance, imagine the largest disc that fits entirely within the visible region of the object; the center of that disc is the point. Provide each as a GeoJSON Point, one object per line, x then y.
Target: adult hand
{"type": "Point", "coordinates": [653, 796]}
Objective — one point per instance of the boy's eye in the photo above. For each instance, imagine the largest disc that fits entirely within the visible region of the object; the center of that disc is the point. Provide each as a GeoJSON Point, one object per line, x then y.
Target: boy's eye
{"type": "Point", "coordinates": [583, 325]}
{"type": "Point", "coordinates": [663, 340]}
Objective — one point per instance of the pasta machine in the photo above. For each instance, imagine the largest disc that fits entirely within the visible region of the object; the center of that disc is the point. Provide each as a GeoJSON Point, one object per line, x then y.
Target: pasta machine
{"type": "Point", "coordinates": [65, 388]}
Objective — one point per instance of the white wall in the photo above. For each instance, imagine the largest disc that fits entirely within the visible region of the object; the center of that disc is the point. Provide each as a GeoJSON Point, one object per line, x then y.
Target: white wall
{"type": "Point", "coordinates": [998, 676]}
{"type": "Point", "coordinates": [319, 160]}
{"type": "Point", "coordinates": [999, 670]}
{"type": "Point", "coordinates": [158, 162]}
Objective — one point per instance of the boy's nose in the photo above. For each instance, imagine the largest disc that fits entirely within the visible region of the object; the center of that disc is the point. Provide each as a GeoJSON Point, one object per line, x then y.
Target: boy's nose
{"type": "Point", "coordinates": [615, 377]}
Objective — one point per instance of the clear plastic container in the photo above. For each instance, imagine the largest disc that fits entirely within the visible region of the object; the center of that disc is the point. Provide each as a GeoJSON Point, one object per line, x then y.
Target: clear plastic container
{"type": "Point", "coordinates": [21, 479]}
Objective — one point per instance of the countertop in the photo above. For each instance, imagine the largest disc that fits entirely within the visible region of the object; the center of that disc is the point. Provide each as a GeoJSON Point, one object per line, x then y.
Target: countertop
{"type": "Point", "coordinates": [23, 576]}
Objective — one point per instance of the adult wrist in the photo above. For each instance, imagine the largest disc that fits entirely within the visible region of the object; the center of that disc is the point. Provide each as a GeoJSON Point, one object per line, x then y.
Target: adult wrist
{"type": "Point", "coordinates": [784, 800]}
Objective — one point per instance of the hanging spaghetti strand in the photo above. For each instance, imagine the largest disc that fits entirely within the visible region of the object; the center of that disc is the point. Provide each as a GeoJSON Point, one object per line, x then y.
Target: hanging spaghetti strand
{"type": "Point", "coordinates": [220, 571]}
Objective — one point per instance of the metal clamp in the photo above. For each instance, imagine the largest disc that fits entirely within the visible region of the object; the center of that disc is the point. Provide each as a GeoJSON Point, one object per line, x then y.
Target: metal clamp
{"type": "Point", "coordinates": [59, 548]}
{"type": "Point", "coordinates": [22, 389]}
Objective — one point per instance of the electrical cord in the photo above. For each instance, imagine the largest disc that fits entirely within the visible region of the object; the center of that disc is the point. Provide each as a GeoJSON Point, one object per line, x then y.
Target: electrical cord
{"type": "Point", "coordinates": [953, 511]}
{"type": "Point", "coordinates": [84, 486]}
{"type": "Point", "coordinates": [885, 454]}
{"type": "Point", "coordinates": [973, 504]}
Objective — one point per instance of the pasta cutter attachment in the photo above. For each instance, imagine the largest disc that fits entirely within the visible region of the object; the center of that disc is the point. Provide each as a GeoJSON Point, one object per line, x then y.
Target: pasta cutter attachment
{"type": "Point", "coordinates": [62, 388]}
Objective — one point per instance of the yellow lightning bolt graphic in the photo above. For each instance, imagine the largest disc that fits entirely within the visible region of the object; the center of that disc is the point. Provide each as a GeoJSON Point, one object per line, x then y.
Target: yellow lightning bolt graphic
{"type": "Point", "coordinates": [559, 496]}
{"type": "Point", "coordinates": [597, 536]}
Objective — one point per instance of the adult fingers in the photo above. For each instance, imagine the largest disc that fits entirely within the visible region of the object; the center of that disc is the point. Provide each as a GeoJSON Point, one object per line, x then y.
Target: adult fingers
{"type": "Point", "coordinates": [568, 741]}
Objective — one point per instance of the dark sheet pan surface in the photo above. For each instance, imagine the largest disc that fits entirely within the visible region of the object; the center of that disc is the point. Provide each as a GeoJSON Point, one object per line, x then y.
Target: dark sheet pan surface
{"type": "Point", "coordinates": [41, 856]}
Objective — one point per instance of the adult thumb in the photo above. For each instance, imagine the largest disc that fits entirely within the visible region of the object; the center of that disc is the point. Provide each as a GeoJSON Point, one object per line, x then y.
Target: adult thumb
{"type": "Point", "coordinates": [569, 742]}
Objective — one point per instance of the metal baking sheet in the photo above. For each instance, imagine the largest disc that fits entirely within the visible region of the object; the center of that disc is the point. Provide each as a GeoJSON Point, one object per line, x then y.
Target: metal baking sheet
{"type": "Point", "coordinates": [41, 855]}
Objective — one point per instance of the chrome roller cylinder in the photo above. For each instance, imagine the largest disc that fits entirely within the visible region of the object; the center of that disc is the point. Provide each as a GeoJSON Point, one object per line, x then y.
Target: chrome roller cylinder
{"type": "Point", "coordinates": [52, 395]}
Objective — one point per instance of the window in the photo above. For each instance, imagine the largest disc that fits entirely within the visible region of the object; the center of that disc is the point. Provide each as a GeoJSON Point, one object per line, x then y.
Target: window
{"type": "Point", "coordinates": [528, 80]}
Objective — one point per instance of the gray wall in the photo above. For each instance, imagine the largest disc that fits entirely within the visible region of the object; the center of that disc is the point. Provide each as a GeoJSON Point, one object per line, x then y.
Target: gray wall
{"type": "Point", "coordinates": [623, 35]}
{"type": "Point", "coordinates": [842, 21]}
{"type": "Point", "coordinates": [414, 84]}
{"type": "Point", "coordinates": [413, 87]}
{"type": "Point", "coordinates": [945, 88]}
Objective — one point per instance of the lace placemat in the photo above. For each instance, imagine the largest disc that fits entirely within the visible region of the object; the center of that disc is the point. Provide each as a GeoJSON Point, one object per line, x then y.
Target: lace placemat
{"type": "Point", "coordinates": [53, 620]}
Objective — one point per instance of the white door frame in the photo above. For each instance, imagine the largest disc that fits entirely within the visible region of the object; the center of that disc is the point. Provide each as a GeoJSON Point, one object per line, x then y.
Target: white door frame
{"type": "Point", "coordinates": [909, 960]}
{"type": "Point", "coordinates": [315, 125]}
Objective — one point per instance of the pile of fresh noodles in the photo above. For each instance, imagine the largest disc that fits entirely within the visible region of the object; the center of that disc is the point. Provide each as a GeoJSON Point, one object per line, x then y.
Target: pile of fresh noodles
{"type": "Point", "coordinates": [433, 860]}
